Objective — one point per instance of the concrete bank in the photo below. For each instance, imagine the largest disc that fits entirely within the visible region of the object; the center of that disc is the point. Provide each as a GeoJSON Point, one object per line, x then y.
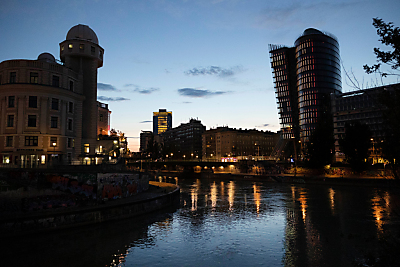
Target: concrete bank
{"type": "Point", "coordinates": [158, 196]}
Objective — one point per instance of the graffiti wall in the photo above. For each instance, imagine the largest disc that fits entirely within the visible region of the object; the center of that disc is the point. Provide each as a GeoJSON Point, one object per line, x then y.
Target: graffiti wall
{"type": "Point", "coordinates": [119, 185]}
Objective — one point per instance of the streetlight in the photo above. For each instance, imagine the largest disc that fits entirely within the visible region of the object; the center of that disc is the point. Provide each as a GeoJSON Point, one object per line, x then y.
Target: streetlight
{"type": "Point", "coordinates": [54, 146]}
{"type": "Point", "coordinates": [184, 156]}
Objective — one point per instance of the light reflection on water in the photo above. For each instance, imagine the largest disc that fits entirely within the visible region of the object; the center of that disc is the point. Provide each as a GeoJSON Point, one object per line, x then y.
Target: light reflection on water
{"type": "Point", "coordinates": [239, 223]}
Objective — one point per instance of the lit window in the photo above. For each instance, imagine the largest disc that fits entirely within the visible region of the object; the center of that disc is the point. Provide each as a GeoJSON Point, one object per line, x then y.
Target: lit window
{"type": "Point", "coordinates": [34, 77]}
{"type": "Point", "coordinates": [31, 140]}
{"type": "Point", "coordinates": [81, 46]}
{"type": "Point", "coordinates": [6, 159]}
{"type": "Point", "coordinates": [86, 148]}
{"type": "Point", "coordinates": [70, 46]}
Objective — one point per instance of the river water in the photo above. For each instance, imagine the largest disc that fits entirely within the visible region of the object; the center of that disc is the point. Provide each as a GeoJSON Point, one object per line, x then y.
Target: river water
{"type": "Point", "coordinates": [235, 223]}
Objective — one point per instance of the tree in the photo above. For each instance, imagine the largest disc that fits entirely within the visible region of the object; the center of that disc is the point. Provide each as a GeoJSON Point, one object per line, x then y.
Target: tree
{"type": "Point", "coordinates": [355, 144]}
{"type": "Point", "coordinates": [320, 146]}
{"type": "Point", "coordinates": [389, 36]}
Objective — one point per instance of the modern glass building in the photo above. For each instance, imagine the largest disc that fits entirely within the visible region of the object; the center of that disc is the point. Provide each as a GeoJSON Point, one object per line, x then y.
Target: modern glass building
{"type": "Point", "coordinates": [162, 121]}
{"type": "Point", "coordinates": [304, 77]}
{"type": "Point", "coordinates": [284, 74]}
{"type": "Point", "coordinates": [317, 76]}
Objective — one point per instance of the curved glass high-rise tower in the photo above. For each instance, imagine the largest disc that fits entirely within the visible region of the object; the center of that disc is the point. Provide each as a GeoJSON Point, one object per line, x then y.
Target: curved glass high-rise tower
{"type": "Point", "coordinates": [317, 76]}
{"type": "Point", "coordinates": [305, 76]}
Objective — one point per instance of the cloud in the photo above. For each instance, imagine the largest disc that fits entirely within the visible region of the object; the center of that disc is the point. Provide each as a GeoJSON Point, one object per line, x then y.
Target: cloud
{"type": "Point", "coordinates": [145, 121]}
{"type": "Point", "coordinates": [215, 70]}
{"type": "Point", "coordinates": [186, 102]}
{"type": "Point", "coordinates": [106, 87]}
{"type": "Point", "coordinates": [145, 91]}
{"type": "Point", "coordinates": [106, 98]}
{"type": "Point", "coordinates": [263, 125]}
{"type": "Point", "coordinates": [198, 93]}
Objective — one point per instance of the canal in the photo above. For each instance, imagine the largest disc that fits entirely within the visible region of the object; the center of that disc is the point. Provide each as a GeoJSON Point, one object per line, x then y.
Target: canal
{"type": "Point", "coordinates": [235, 223]}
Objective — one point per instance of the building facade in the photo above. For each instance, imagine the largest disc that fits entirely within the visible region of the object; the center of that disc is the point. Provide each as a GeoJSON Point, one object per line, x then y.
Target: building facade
{"type": "Point", "coordinates": [365, 107]}
{"type": "Point", "coordinates": [185, 141]}
{"type": "Point", "coordinates": [231, 144]}
{"type": "Point", "coordinates": [303, 89]}
{"type": "Point", "coordinates": [103, 123]}
{"type": "Point", "coordinates": [162, 121]}
{"type": "Point", "coordinates": [49, 109]}
{"type": "Point", "coordinates": [146, 137]}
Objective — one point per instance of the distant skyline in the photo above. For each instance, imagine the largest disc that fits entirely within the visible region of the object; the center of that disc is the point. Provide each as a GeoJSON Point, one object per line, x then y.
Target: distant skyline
{"type": "Point", "coordinates": [205, 59]}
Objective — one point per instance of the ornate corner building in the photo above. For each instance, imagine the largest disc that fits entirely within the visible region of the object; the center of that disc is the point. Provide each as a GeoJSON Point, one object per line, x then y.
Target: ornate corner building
{"type": "Point", "coordinates": [49, 109]}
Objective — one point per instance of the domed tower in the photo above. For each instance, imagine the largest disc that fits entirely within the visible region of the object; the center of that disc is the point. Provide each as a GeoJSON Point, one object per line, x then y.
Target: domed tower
{"type": "Point", "coordinates": [82, 53]}
{"type": "Point", "coordinates": [318, 76]}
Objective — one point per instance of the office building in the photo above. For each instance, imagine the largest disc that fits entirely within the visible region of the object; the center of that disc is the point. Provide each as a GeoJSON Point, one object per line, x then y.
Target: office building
{"type": "Point", "coordinates": [162, 121]}
{"type": "Point", "coordinates": [304, 78]}
{"type": "Point", "coordinates": [185, 141]}
{"type": "Point", "coordinates": [365, 107]}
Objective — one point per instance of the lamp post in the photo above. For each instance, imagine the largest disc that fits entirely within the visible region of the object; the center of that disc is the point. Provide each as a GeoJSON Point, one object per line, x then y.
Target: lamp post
{"type": "Point", "coordinates": [54, 146]}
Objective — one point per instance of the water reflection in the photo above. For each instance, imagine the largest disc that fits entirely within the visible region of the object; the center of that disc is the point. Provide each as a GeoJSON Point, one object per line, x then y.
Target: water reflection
{"type": "Point", "coordinates": [224, 223]}
{"type": "Point", "coordinates": [213, 193]}
{"type": "Point", "coordinates": [231, 194]}
{"type": "Point", "coordinates": [257, 197]}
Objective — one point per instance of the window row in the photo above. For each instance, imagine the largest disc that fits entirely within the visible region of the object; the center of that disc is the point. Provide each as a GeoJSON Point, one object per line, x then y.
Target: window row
{"type": "Point", "coordinates": [33, 103]}
{"type": "Point", "coordinates": [33, 141]}
{"type": "Point", "coordinates": [34, 79]}
{"type": "Point", "coordinates": [82, 49]}
{"type": "Point", "coordinates": [32, 122]}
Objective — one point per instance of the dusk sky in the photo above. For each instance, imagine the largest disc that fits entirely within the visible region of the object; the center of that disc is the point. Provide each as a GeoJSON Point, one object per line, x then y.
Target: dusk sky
{"type": "Point", "coordinates": [205, 59]}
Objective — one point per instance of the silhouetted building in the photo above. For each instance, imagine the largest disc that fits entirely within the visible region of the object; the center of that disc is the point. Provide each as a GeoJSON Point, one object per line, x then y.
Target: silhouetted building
{"type": "Point", "coordinates": [304, 77]}
{"type": "Point", "coordinates": [231, 144]}
{"type": "Point", "coordinates": [365, 107]}
{"type": "Point", "coordinates": [145, 138]}
{"type": "Point", "coordinates": [162, 121]}
{"type": "Point", "coordinates": [184, 141]}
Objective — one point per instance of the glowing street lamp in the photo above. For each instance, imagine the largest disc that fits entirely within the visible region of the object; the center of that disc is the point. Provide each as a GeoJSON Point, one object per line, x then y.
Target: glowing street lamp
{"type": "Point", "coordinates": [54, 146]}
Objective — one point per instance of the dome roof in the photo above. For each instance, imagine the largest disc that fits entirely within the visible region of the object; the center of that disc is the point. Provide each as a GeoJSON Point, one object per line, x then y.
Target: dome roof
{"type": "Point", "coordinates": [46, 57]}
{"type": "Point", "coordinates": [82, 32]}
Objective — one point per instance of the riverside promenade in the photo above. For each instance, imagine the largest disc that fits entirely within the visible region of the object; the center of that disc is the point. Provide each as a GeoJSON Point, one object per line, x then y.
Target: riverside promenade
{"type": "Point", "coordinates": [158, 196]}
{"type": "Point", "coordinates": [295, 178]}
